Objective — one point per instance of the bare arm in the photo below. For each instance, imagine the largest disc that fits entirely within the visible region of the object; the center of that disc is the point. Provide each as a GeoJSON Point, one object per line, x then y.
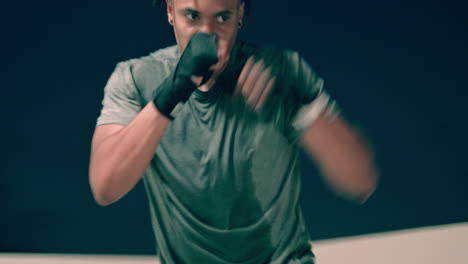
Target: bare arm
{"type": "Point", "coordinates": [343, 157]}
{"type": "Point", "coordinates": [341, 154]}
{"type": "Point", "coordinates": [121, 154]}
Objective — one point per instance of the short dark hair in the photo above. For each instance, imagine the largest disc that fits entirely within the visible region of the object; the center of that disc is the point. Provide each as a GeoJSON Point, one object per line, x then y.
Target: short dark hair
{"type": "Point", "coordinates": [247, 5]}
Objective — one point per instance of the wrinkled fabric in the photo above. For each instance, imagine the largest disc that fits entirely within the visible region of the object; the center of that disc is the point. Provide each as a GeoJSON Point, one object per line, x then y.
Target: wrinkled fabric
{"type": "Point", "coordinates": [223, 186]}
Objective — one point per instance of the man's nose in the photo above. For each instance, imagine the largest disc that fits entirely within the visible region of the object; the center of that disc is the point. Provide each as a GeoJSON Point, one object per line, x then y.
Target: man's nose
{"type": "Point", "coordinates": [207, 27]}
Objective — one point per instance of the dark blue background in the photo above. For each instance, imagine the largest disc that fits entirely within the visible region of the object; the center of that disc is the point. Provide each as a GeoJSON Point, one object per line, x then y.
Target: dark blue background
{"type": "Point", "coordinates": [397, 68]}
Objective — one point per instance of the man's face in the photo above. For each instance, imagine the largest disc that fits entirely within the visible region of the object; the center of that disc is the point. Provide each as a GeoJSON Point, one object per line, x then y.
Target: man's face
{"type": "Point", "coordinates": [218, 17]}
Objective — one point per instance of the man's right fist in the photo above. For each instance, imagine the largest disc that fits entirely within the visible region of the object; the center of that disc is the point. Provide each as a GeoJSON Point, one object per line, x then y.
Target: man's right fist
{"type": "Point", "coordinates": [199, 55]}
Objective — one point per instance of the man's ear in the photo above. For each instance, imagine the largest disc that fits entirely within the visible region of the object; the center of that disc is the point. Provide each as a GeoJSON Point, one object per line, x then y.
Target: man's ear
{"type": "Point", "coordinates": [169, 9]}
{"type": "Point", "coordinates": [241, 12]}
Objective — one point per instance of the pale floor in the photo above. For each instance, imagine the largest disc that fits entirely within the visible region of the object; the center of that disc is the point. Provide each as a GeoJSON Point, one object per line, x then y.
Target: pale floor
{"type": "Point", "coordinates": [446, 244]}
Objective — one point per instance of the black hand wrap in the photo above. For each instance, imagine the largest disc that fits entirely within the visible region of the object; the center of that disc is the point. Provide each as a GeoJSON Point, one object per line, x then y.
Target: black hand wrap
{"type": "Point", "coordinates": [200, 53]}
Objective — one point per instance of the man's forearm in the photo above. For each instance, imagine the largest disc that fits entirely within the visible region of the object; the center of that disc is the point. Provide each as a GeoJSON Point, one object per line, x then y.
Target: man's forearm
{"type": "Point", "coordinates": [120, 155]}
{"type": "Point", "coordinates": [343, 156]}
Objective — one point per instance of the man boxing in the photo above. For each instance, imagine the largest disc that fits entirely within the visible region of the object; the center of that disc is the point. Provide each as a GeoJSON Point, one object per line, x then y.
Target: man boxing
{"type": "Point", "coordinates": [213, 126]}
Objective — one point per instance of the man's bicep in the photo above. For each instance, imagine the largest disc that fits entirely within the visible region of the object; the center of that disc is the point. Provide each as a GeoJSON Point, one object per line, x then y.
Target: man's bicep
{"type": "Point", "coordinates": [102, 132]}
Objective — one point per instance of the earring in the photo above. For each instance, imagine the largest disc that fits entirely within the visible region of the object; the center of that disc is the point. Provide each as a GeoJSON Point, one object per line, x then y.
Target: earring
{"type": "Point", "coordinates": [171, 22]}
{"type": "Point", "coordinates": [239, 24]}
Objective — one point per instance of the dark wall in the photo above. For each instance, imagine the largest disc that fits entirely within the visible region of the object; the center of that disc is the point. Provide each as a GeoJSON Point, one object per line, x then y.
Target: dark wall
{"type": "Point", "coordinates": [397, 68]}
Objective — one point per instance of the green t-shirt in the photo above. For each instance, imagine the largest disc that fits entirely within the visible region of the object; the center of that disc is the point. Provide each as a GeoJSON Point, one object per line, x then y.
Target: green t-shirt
{"type": "Point", "coordinates": [223, 185]}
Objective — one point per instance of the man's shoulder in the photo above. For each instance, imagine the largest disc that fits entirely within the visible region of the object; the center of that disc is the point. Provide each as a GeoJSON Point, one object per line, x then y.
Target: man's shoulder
{"type": "Point", "coordinates": [157, 58]}
{"type": "Point", "coordinates": [147, 72]}
{"type": "Point", "coordinates": [269, 50]}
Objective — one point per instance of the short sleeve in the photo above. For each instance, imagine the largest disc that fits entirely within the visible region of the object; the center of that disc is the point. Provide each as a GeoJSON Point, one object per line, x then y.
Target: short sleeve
{"type": "Point", "coordinates": [122, 101]}
{"type": "Point", "coordinates": [306, 83]}
{"type": "Point", "coordinates": [309, 97]}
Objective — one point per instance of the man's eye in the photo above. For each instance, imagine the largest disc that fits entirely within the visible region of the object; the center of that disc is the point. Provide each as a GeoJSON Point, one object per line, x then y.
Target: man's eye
{"type": "Point", "coordinates": [192, 16]}
{"type": "Point", "coordinates": [222, 19]}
